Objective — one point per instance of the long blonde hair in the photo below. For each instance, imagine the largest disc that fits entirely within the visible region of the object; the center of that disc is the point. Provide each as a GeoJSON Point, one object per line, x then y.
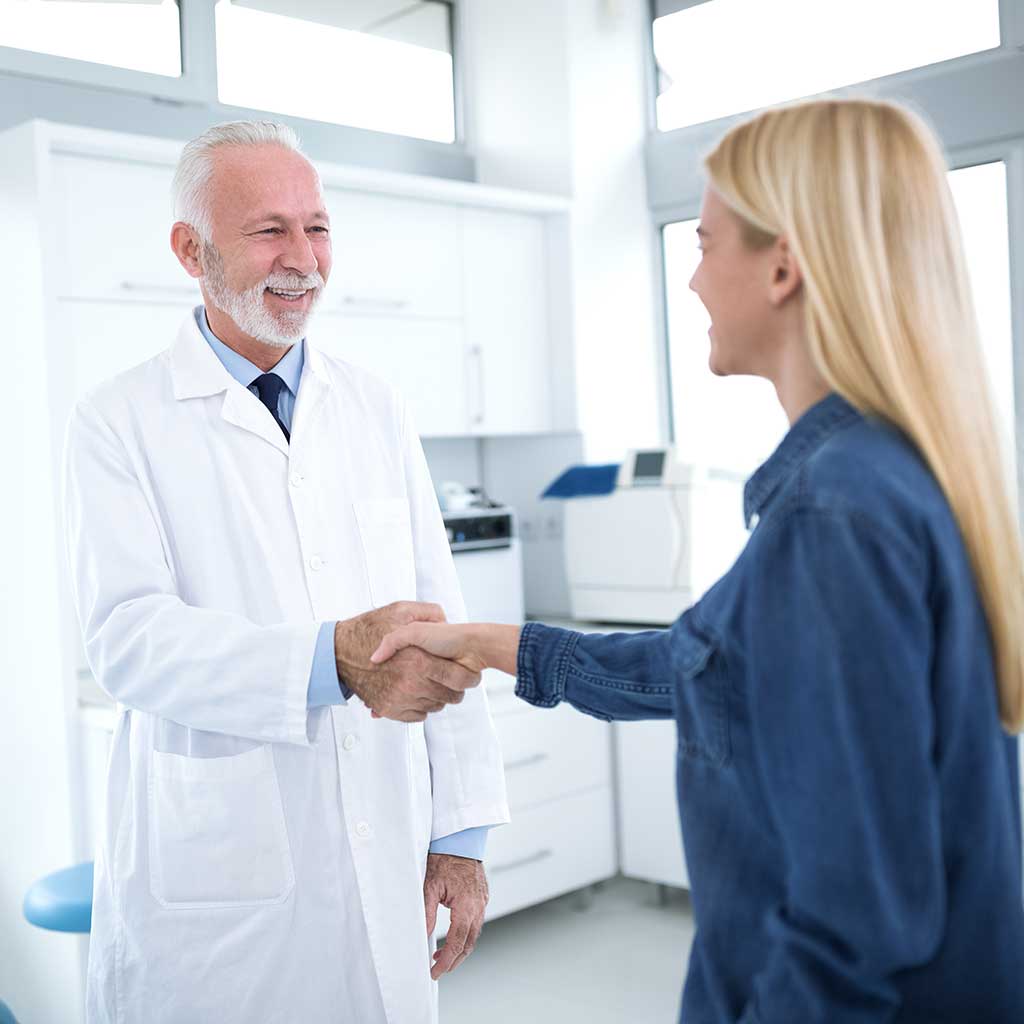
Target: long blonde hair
{"type": "Point", "coordinates": [859, 189]}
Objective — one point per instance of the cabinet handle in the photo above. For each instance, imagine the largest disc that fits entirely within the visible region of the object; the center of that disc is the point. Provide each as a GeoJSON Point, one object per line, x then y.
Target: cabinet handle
{"type": "Point", "coordinates": [511, 865]}
{"type": "Point", "coordinates": [525, 762]}
{"type": "Point", "coordinates": [357, 300]}
{"type": "Point", "coordinates": [478, 355]}
{"type": "Point", "coordinates": [163, 289]}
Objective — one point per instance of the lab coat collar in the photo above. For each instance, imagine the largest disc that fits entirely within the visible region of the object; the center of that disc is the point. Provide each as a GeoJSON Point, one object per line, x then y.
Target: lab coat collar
{"type": "Point", "coordinates": [196, 372]}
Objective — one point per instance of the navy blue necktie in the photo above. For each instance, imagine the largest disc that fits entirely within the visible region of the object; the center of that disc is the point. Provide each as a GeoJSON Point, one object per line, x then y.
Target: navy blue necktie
{"type": "Point", "coordinates": [269, 387]}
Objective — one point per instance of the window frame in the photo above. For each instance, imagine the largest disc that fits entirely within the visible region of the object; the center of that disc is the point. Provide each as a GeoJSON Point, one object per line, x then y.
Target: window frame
{"type": "Point", "coordinates": [196, 89]}
{"type": "Point", "coordinates": [968, 99]}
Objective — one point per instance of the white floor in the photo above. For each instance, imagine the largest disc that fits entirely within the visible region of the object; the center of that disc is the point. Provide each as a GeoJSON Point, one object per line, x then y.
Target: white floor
{"type": "Point", "coordinates": [621, 959]}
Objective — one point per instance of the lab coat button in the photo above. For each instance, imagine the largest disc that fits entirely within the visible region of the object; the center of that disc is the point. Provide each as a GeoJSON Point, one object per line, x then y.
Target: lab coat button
{"type": "Point", "coordinates": [296, 479]}
{"type": "Point", "coordinates": [349, 742]}
{"type": "Point", "coordinates": [363, 830]}
{"type": "Point", "coordinates": [316, 563]}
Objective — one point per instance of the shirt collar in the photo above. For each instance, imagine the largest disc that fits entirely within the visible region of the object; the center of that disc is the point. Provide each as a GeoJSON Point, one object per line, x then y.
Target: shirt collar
{"type": "Point", "coordinates": [805, 437]}
{"type": "Point", "coordinates": [289, 368]}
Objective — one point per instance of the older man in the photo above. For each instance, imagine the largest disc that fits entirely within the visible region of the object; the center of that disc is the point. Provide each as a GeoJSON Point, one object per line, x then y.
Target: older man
{"type": "Point", "coordinates": [235, 507]}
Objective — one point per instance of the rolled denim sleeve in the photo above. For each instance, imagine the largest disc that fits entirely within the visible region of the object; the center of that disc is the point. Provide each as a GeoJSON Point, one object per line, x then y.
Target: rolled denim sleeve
{"type": "Point", "coordinates": [839, 636]}
{"type": "Point", "coordinates": [611, 676]}
{"type": "Point", "coordinates": [470, 842]}
{"type": "Point", "coordinates": [324, 685]}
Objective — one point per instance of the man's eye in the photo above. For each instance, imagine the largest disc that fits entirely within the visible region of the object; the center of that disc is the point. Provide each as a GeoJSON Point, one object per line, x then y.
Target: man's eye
{"type": "Point", "coordinates": [322, 230]}
{"type": "Point", "coordinates": [270, 231]}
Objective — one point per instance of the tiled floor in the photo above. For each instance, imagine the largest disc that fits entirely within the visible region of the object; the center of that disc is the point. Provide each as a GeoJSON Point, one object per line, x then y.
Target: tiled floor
{"type": "Point", "coordinates": [619, 961]}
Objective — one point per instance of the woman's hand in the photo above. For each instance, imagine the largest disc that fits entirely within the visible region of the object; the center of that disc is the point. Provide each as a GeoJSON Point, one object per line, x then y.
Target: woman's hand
{"type": "Point", "coordinates": [474, 646]}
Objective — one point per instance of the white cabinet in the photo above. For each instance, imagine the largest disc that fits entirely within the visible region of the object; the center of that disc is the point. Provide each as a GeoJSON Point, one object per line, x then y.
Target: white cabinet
{"type": "Point", "coordinates": [113, 218]}
{"type": "Point", "coordinates": [650, 840]}
{"type": "Point", "coordinates": [558, 769]}
{"type": "Point", "coordinates": [550, 849]}
{"type": "Point", "coordinates": [507, 321]}
{"type": "Point", "coordinates": [394, 255]}
{"type": "Point", "coordinates": [423, 359]}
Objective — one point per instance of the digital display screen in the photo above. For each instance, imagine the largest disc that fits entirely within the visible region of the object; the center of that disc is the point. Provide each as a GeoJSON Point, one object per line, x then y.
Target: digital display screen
{"type": "Point", "coordinates": [648, 465]}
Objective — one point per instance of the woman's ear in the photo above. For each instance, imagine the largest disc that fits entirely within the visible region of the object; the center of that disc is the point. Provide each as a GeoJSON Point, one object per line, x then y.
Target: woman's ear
{"type": "Point", "coordinates": [786, 277]}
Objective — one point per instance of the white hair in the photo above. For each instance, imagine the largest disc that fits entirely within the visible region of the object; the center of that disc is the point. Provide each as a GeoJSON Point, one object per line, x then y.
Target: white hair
{"type": "Point", "coordinates": [190, 188]}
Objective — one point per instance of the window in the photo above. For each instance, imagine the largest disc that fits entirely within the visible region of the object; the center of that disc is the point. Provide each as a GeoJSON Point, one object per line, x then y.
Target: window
{"type": "Point", "coordinates": [730, 56]}
{"type": "Point", "coordinates": [736, 422]}
{"type": "Point", "coordinates": [143, 36]}
{"type": "Point", "coordinates": [981, 200]}
{"type": "Point", "coordinates": [385, 65]}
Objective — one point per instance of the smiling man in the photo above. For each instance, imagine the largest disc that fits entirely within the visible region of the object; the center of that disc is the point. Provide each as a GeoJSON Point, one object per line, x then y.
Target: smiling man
{"type": "Point", "coordinates": [247, 518]}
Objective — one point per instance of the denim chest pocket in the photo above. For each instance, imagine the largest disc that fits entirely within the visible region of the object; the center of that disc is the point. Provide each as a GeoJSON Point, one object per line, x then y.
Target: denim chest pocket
{"type": "Point", "coordinates": [701, 695]}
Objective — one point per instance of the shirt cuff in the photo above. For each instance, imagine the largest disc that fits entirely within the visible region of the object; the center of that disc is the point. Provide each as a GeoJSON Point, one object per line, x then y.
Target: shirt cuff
{"type": "Point", "coordinates": [542, 663]}
{"type": "Point", "coordinates": [470, 842]}
{"type": "Point", "coordinates": [324, 685]}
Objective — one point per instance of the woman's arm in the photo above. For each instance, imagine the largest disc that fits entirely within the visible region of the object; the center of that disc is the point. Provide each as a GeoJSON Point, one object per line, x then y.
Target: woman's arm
{"type": "Point", "coordinates": [622, 676]}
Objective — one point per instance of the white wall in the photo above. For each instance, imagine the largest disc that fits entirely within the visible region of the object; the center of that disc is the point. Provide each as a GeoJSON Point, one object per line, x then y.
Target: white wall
{"type": "Point", "coordinates": [556, 101]}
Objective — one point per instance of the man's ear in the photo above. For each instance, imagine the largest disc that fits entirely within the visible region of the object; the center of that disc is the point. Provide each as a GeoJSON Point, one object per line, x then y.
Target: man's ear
{"type": "Point", "coordinates": [187, 247]}
{"type": "Point", "coordinates": [786, 276]}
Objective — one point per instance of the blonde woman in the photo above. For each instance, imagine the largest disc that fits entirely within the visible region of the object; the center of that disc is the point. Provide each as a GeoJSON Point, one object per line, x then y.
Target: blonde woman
{"type": "Point", "coordinates": [847, 785]}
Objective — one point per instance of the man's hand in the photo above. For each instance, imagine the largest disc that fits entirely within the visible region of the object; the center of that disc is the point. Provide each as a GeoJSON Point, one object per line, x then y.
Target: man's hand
{"type": "Point", "coordinates": [461, 885]}
{"type": "Point", "coordinates": [413, 683]}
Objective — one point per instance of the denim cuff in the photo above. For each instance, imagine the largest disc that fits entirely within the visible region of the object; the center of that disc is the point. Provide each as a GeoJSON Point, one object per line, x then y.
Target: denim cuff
{"type": "Point", "coordinates": [542, 663]}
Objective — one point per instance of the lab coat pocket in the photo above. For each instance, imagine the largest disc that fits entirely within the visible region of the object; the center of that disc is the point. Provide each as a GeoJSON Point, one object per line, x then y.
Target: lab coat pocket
{"type": "Point", "coordinates": [217, 835]}
{"type": "Point", "coordinates": [385, 532]}
{"type": "Point", "coordinates": [702, 694]}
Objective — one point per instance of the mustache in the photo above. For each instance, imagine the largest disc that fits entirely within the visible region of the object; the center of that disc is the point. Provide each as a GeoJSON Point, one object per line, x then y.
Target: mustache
{"type": "Point", "coordinates": [294, 282]}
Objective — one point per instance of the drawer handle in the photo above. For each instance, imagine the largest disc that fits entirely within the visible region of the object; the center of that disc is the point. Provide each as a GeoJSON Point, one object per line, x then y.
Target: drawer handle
{"type": "Point", "coordinates": [525, 762]}
{"type": "Point", "coordinates": [356, 300]}
{"type": "Point", "coordinates": [534, 858]}
{"type": "Point", "coordinates": [166, 289]}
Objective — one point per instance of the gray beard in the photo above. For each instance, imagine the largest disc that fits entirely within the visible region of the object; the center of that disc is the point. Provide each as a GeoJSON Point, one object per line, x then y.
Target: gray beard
{"type": "Point", "coordinates": [247, 309]}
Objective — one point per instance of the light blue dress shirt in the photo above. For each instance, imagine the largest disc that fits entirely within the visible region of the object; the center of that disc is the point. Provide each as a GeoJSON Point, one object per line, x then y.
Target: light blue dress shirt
{"type": "Point", "coordinates": [324, 685]}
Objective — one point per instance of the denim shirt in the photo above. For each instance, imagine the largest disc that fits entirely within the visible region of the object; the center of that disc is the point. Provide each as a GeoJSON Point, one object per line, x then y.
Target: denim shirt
{"type": "Point", "coordinates": [849, 801]}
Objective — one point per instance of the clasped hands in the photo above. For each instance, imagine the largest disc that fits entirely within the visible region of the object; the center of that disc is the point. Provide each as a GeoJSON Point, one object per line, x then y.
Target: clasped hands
{"type": "Point", "coordinates": [404, 661]}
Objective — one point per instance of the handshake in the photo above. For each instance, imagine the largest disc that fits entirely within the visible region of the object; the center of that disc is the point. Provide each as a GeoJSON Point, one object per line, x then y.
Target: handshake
{"type": "Point", "coordinates": [404, 661]}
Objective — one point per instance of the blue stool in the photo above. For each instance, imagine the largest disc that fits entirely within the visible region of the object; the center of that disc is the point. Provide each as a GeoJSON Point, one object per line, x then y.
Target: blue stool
{"type": "Point", "coordinates": [61, 902]}
{"type": "Point", "coordinates": [6, 1017]}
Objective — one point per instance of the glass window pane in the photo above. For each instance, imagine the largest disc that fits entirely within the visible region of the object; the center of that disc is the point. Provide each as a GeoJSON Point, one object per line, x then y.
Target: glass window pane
{"type": "Point", "coordinates": [379, 64]}
{"type": "Point", "coordinates": [736, 422]}
{"type": "Point", "coordinates": [144, 35]}
{"type": "Point", "coordinates": [981, 202]}
{"type": "Point", "coordinates": [730, 56]}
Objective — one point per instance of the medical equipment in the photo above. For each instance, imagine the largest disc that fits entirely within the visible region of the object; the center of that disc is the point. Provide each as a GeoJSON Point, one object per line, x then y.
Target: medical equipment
{"type": "Point", "coordinates": [647, 549]}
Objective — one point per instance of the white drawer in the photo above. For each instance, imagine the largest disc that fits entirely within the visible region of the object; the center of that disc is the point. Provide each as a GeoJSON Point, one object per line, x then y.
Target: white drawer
{"type": "Point", "coordinates": [552, 753]}
{"type": "Point", "coordinates": [548, 851]}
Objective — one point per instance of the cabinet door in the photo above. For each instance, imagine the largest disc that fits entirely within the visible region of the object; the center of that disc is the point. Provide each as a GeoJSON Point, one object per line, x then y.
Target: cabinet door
{"type": "Point", "coordinates": [115, 219]}
{"type": "Point", "coordinates": [97, 340]}
{"type": "Point", "coordinates": [393, 256]}
{"type": "Point", "coordinates": [423, 359]}
{"type": "Point", "coordinates": [650, 841]}
{"type": "Point", "coordinates": [506, 321]}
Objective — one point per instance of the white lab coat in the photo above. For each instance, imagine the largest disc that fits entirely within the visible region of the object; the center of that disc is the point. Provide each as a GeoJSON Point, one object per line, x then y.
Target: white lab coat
{"type": "Point", "coordinates": [259, 861]}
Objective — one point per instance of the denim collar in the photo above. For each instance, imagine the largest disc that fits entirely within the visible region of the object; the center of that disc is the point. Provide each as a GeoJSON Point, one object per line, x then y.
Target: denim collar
{"type": "Point", "coordinates": [805, 437]}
